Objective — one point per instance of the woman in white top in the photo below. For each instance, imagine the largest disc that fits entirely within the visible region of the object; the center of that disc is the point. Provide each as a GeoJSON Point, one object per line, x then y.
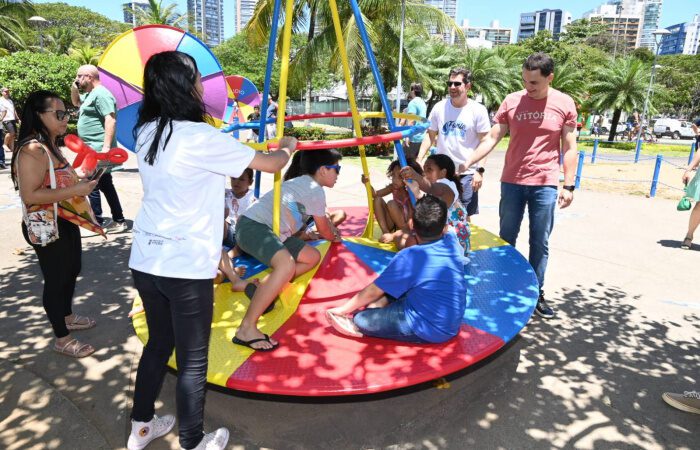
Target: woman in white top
{"type": "Point", "coordinates": [183, 162]}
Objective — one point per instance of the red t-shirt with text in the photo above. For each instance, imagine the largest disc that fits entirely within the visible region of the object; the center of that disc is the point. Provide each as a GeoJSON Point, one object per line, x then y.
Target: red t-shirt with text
{"type": "Point", "coordinates": [535, 136]}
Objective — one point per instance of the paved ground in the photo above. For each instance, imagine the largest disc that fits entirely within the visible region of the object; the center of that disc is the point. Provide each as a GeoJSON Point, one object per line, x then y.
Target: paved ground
{"type": "Point", "coordinates": [627, 329]}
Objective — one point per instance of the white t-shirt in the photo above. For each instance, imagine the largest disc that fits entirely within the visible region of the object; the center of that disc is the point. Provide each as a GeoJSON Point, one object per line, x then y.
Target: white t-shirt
{"type": "Point", "coordinates": [451, 184]}
{"type": "Point", "coordinates": [237, 206]}
{"type": "Point", "coordinates": [302, 197]}
{"type": "Point", "coordinates": [457, 129]}
{"type": "Point", "coordinates": [9, 107]}
{"type": "Point", "coordinates": [177, 232]}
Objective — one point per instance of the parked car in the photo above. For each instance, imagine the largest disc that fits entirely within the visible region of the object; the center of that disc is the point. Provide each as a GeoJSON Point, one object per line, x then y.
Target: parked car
{"type": "Point", "coordinates": [675, 128]}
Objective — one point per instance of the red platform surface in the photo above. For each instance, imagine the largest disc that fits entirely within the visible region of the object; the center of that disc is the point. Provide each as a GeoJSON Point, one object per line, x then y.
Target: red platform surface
{"type": "Point", "coordinates": [315, 360]}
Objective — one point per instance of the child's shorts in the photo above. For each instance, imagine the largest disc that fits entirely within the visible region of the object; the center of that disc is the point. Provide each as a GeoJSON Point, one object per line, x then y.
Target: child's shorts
{"type": "Point", "coordinates": [261, 243]}
{"type": "Point", "coordinates": [230, 238]}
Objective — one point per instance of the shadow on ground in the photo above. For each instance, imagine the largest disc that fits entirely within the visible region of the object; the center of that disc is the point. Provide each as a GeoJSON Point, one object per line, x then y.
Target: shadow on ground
{"type": "Point", "coordinates": [590, 378]}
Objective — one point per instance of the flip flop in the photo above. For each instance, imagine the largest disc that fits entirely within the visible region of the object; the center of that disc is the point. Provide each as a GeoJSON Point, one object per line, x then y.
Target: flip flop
{"type": "Point", "coordinates": [687, 243]}
{"type": "Point", "coordinates": [250, 343]}
{"type": "Point", "coordinates": [250, 291]}
{"type": "Point", "coordinates": [80, 323]}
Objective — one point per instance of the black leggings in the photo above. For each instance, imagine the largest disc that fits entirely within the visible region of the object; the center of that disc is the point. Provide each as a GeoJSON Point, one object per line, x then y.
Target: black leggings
{"type": "Point", "coordinates": [60, 265]}
{"type": "Point", "coordinates": [179, 314]}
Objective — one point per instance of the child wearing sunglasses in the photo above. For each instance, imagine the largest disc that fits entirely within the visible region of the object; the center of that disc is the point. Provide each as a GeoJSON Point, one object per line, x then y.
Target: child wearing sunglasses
{"type": "Point", "coordinates": [287, 255]}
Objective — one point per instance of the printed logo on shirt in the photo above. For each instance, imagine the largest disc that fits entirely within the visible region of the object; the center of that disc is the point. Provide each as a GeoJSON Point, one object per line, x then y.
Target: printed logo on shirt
{"type": "Point", "coordinates": [535, 117]}
{"type": "Point", "coordinates": [454, 128]}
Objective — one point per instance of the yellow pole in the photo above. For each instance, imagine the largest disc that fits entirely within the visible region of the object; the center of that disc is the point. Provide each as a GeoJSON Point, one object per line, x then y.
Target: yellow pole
{"type": "Point", "coordinates": [281, 105]}
{"type": "Point", "coordinates": [368, 232]}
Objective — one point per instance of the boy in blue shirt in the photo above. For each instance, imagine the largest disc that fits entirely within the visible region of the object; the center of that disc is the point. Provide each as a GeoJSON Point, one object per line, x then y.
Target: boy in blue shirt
{"type": "Point", "coordinates": [421, 295]}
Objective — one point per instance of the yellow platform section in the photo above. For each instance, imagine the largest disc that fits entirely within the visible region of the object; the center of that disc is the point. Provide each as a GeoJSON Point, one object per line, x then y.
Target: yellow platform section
{"type": "Point", "coordinates": [482, 239]}
{"type": "Point", "coordinates": [229, 309]}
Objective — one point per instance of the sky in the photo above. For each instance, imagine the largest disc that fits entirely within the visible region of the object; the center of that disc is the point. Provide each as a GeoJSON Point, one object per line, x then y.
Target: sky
{"type": "Point", "coordinates": [479, 12]}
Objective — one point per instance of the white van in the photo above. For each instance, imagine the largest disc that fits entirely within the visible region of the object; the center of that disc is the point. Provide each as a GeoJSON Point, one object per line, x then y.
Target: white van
{"type": "Point", "coordinates": [677, 129]}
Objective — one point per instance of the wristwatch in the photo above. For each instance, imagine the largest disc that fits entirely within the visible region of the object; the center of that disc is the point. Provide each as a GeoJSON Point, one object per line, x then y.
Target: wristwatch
{"type": "Point", "coordinates": [481, 170]}
{"type": "Point", "coordinates": [569, 188]}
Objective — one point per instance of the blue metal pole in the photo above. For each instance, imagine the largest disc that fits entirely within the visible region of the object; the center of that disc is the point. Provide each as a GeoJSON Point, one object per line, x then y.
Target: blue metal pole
{"type": "Point", "coordinates": [380, 84]}
{"type": "Point", "coordinates": [655, 180]}
{"type": "Point", "coordinates": [268, 82]}
{"type": "Point", "coordinates": [595, 151]}
{"type": "Point", "coordinates": [638, 150]}
{"type": "Point", "coordinates": [693, 147]}
{"type": "Point", "coordinates": [579, 169]}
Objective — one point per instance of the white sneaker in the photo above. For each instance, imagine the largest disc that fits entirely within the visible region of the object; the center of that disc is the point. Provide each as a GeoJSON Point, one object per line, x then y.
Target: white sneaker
{"type": "Point", "coordinates": [116, 227]}
{"type": "Point", "coordinates": [142, 433]}
{"type": "Point", "coordinates": [216, 440]}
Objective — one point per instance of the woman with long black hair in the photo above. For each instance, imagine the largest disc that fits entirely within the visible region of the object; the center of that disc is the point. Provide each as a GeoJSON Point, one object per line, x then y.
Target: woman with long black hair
{"type": "Point", "coordinates": [36, 161]}
{"type": "Point", "coordinates": [183, 162]}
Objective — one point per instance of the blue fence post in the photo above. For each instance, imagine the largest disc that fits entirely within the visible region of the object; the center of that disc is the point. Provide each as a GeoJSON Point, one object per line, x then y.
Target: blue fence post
{"type": "Point", "coordinates": [638, 150]}
{"type": "Point", "coordinates": [595, 151]}
{"type": "Point", "coordinates": [655, 180]}
{"type": "Point", "coordinates": [693, 147]}
{"type": "Point", "coordinates": [579, 169]}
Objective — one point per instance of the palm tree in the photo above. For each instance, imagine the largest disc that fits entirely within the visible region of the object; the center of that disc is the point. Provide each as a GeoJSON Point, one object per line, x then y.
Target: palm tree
{"type": "Point", "coordinates": [571, 81]}
{"type": "Point", "coordinates": [490, 77]}
{"type": "Point", "coordinates": [619, 87]}
{"type": "Point", "coordinates": [433, 60]}
{"type": "Point", "coordinates": [85, 53]}
{"type": "Point", "coordinates": [13, 18]}
{"type": "Point", "coordinates": [60, 40]}
{"type": "Point", "coordinates": [157, 14]}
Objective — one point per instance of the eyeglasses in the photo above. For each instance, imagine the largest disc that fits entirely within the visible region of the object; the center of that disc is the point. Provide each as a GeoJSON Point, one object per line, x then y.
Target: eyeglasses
{"type": "Point", "coordinates": [454, 83]}
{"type": "Point", "coordinates": [61, 114]}
{"type": "Point", "coordinates": [334, 166]}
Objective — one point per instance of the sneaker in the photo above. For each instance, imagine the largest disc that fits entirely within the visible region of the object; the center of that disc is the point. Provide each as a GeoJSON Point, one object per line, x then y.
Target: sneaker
{"type": "Point", "coordinates": [543, 309]}
{"type": "Point", "coordinates": [688, 401]}
{"type": "Point", "coordinates": [116, 227]}
{"type": "Point", "coordinates": [216, 440]}
{"type": "Point", "coordinates": [142, 433]}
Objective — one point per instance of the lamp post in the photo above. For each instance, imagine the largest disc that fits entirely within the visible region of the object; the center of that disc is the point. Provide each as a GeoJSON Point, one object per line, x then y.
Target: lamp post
{"type": "Point", "coordinates": [398, 80]}
{"type": "Point", "coordinates": [657, 38]}
{"type": "Point", "coordinates": [39, 22]}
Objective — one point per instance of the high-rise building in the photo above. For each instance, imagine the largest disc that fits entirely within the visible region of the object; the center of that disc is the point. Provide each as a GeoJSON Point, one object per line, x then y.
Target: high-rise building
{"type": "Point", "coordinates": [624, 25]}
{"type": "Point", "coordinates": [244, 11]}
{"type": "Point", "coordinates": [207, 19]}
{"type": "Point", "coordinates": [552, 20]}
{"type": "Point", "coordinates": [129, 7]}
{"type": "Point", "coordinates": [494, 33]}
{"type": "Point", "coordinates": [449, 7]}
{"type": "Point", "coordinates": [684, 38]}
{"type": "Point", "coordinates": [647, 11]}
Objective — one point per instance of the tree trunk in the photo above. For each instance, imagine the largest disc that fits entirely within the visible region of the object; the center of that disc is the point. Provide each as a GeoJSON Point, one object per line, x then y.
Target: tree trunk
{"type": "Point", "coordinates": [613, 125]}
{"type": "Point", "coordinates": [307, 104]}
{"type": "Point", "coordinates": [309, 81]}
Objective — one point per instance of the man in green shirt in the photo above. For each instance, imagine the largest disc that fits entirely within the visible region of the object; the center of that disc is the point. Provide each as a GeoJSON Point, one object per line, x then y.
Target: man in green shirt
{"type": "Point", "coordinates": [97, 127]}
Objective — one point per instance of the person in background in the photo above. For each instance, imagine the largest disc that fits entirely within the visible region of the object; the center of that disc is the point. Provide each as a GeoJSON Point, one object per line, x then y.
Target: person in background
{"type": "Point", "coordinates": [692, 182]}
{"type": "Point", "coordinates": [417, 106]}
{"type": "Point", "coordinates": [8, 114]}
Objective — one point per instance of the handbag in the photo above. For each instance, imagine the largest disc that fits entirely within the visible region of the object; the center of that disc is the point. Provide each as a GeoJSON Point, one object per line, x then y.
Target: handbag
{"type": "Point", "coordinates": [684, 204]}
{"type": "Point", "coordinates": [42, 224]}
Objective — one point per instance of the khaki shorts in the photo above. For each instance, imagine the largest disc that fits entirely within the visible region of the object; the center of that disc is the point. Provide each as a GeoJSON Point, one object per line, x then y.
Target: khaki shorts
{"type": "Point", "coordinates": [261, 243]}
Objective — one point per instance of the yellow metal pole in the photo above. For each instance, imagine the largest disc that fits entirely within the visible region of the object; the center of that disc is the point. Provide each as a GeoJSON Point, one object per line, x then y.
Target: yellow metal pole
{"type": "Point", "coordinates": [368, 232]}
{"type": "Point", "coordinates": [281, 105]}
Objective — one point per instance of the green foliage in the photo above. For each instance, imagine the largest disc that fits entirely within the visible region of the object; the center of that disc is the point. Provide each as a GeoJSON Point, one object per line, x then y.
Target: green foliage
{"type": "Point", "coordinates": [157, 14]}
{"type": "Point", "coordinates": [85, 54]}
{"type": "Point", "coordinates": [13, 19]}
{"type": "Point", "coordinates": [60, 40]}
{"type": "Point", "coordinates": [317, 133]}
{"type": "Point", "coordinates": [238, 57]}
{"type": "Point", "coordinates": [583, 32]}
{"type": "Point", "coordinates": [679, 74]}
{"type": "Point", "coordinates": [85, 23]}
{"type": "Point", "coordinates": [25, 72]}
{"type": "Point", "coordinates": [306, 133]}
{"type": "Point", "coordinates": [643, 54]}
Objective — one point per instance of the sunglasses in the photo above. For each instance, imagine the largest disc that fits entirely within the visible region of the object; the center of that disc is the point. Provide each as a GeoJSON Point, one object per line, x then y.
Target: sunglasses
{"type": "Point", "coordinates": [61, 114]}
{"type": "Point", "coordinates": [454, 83]}
{"type": "Point", "coordinates": [334, 166]}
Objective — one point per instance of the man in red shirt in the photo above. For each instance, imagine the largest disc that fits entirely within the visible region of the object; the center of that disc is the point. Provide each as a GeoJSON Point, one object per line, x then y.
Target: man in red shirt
{"type": "Point", "coordinates": [542, 122]}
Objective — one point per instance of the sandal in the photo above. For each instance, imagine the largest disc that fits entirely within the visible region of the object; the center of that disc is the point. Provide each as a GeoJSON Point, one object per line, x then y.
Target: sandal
{"type": "Point", "coordinates": [74, 349]}
{"type": "Point", "coordinates": [80, 323]}
{"type": "Point", "coordinates": [343, 325]}
{"type": "Point", "coordinates": [687, 243]}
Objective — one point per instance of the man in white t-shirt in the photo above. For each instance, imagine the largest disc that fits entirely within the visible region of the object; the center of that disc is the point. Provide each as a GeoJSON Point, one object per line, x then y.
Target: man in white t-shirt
{"type": "Point", "coordinates": [9, 119]}
{"type": "Point", "coordinates": [457, 126]}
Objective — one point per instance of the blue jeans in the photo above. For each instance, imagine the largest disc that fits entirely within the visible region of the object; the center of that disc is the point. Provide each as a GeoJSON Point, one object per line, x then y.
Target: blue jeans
{"type": "Point", "coordinates": [540, 201]}
{"type": "Point", "coordinates": [387, 323]}
{"type": "Point", "coordinates": [106, 185]}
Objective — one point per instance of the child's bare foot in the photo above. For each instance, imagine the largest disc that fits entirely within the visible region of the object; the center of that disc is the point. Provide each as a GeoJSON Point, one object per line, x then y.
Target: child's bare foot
{"type": "Point", "coordinates": [343, 324]}
{"type": "Point", "coordinates": [386, 238]}
{"type": "Point", "coordinates": [219, 278]}
{"type": "Point", "coordinates": [239, 285]}
{"type": "Point", "coordinates": [240, 270]}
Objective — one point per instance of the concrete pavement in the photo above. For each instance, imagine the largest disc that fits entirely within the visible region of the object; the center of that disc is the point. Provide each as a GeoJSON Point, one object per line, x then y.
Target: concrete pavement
{"type": "Point", "coordinates": [627, 329]}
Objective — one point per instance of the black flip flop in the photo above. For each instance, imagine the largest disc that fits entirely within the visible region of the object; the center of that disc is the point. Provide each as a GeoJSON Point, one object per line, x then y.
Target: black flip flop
{"type": "Point", "coordinates": [249, 291]}
{"type": "Point", "coordinates": [250, 343]}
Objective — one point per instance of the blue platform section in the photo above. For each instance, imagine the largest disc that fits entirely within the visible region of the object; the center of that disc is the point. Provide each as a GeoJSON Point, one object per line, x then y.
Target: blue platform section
{"type": "Point", "coordinates": [375, 258]}
{"type": "Point", "coordinates": [502, 291]}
